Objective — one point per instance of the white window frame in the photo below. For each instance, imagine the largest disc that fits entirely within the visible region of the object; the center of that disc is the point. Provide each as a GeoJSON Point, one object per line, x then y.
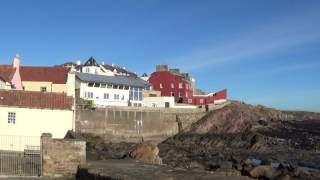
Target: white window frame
{"type": "Point", "coordinates": [12, 117]}
{"type": "Point", "coordinates": [180, 86]}
{"type": "Point", "coordinates": [106, 96]}
{"type": "Point", "coordinates": [161, 85]}
{"type": "Point", "coordinates": [172, 85]}
{"type": "Point", "coordinates": [43, 89]}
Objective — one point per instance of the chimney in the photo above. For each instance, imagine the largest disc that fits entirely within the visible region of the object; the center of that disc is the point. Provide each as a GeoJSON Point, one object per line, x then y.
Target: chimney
{"type": "Point", "coordinates": [175, 71]}
{"type": "Point", "coordinates": [162, 67]}
{"type": "Point", "coordinates": [16, 61]}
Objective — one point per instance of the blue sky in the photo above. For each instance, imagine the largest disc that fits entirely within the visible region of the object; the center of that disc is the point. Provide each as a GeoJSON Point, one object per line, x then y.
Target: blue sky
{"type": "Point", "coordinates": [265, 52]}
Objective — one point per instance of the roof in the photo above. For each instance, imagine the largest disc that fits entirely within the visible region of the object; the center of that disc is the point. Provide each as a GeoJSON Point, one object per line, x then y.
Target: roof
{"type": "Point", "coordinates": [6, 72]}
{"type": "Point", "coordinates": [33, 99]}
{"type": "Point", "coordinates": [119, 70]}
{"type": "Point", "coordinates": [120, 80]}
{"type": "Point", "coordinates": [56, 75]}
{"type": "Point", "coordinates": [91, 62]}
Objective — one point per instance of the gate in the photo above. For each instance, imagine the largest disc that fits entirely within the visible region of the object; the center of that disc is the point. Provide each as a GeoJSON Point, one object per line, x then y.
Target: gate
{"type": "Point", "coordinates": [20, 156]}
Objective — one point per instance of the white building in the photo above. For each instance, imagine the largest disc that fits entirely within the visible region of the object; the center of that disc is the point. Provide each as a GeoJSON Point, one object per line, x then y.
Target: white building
{"type": "Point", "coordinates": [159, 102]}
{"type": "Point", "coordinates": [92, 67]}
{"type": "Point", "coordinates": [29, 114]}
{"type": "Point", "coordinates": [111, 90]}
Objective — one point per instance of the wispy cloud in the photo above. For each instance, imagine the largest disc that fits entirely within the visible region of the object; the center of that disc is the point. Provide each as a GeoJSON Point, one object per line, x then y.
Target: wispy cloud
{"type": "Point", "coordinates": [284, 69]}
{"type": "Point", "coordinates": [270, 38]}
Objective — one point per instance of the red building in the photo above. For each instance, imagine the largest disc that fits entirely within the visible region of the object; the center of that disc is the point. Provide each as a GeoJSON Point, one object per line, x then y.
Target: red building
{"type": "Point", "coordinates": [170, 82]}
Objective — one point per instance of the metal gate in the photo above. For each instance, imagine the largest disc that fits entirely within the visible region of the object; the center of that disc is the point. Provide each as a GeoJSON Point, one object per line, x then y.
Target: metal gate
{"type": "Point", "coordinates": [20, 156]}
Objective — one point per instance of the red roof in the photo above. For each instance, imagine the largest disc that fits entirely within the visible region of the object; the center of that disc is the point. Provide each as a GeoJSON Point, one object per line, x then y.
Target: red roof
{"type": "Point", "coordinates": [39, 100]}
{"type": "Point", "coordinates": [56, 75]}
{"type": "Point", "coordinates": [6, 72]}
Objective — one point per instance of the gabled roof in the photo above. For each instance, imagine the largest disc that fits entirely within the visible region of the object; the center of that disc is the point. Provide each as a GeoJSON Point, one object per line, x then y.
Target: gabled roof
{"type": "Point", "coordinates": [56, 75]}
{"type": "Point", "coordinates": [91, 62]}
{"type": "Point", "coordinates": [6, 72]}
{"type": "Point", "coordinates": [119, 70]}
{"type": "Point", "coordinates": [120, 80]}
{"type": "Point", "coordinates": [38, 100]}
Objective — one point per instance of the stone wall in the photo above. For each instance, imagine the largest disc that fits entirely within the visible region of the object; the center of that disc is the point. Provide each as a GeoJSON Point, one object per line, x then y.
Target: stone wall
{"type": "Point", "coordinates": [61, 157]}
{"type": "Point", "coordinates": [132, 124]}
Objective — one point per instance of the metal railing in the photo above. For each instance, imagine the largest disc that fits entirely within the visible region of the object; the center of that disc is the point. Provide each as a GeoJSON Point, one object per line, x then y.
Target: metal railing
{"type": "Point", "coordinates": [20, 156]}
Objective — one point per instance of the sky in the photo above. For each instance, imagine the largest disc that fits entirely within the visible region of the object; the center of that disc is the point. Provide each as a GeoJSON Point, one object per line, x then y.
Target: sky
{"type": "Point", "coordinates": [264, 52]}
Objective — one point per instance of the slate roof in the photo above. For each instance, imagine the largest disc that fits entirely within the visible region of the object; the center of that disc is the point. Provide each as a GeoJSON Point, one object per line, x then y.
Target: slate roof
{"type": "Point", "coordinates": [33, 99]}
{"type": "Point", "coordinates": [56, 75]}
{"type": "Point", "coordinates": [91, 62]}
{"type": "Point", "coordinates": [6, 72]}
{"type": "Point", "coordinates": [120, 80]}
{"type": "Point", "coordinates": [119, 70]}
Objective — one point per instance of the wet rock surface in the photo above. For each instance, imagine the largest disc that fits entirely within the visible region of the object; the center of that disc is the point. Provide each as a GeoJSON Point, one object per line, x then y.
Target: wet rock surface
{"type": "Point", "coordinates": [239, 140]}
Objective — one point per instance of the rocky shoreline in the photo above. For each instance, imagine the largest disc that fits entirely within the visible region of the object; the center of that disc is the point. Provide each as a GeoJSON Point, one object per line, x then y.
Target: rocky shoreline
{"type": "Point", "coordinates": [238, 140]}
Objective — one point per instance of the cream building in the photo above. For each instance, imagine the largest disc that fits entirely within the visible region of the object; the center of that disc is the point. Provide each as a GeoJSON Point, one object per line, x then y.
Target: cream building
{"type": "Point", "coordinates": [29, 114]}
{"type": "Point", "coordinates": [44, 79]}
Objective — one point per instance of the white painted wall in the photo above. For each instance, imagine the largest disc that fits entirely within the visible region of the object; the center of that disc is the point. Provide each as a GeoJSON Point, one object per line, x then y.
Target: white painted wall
{"type": "Point", "coordinates": [158, 101]}
{"type": "Point", "coordinates": [32, 123]}
{"type": "Point", "coordinates": [4, 85]}
{"type": "Point", "coordinates": [98, 95]}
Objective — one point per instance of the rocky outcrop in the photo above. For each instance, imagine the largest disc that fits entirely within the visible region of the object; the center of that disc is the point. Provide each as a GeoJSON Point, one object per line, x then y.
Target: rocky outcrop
{"type": "Point", "coordinates": [225, 139]}
{"type": "Point", "coordinates": [146, 152]}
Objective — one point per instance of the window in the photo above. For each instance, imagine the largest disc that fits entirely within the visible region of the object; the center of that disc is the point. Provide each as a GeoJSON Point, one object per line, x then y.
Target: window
{"type": "Point", "coordinates": [116, 96]}
{"type": "Point", "coordinates": [180, 94]}
{"type": "Point", "coordinates": [43, 89]}
{"type": "Point", "coordinates": [115, 86]}
{"type": "Point", "coordinates": [126, 87]}
{"type": "Point", "coordinates": [89, 94]}
{"type": "Point", "coordinates": [23, 88]}
{"type": "Point", "coordinates": [109, 86]}
{"type": "Point", "coordinates": [103, 85]}
{"type": "Point", "coordinates": [11, 117]}
{"type": "Point", "coordinates": [106, 96]}
{"type": "Point", "coordinates": [172, 85]}
{"type": "Point", "coordinates": [90, 84]}
{"type": "Point", "coordinates": [171, 93]}
{"type": "Point", "coordinates": [87, 70]}
{"type": "Point", "coordinates": [120, 86]}
{"type": "Point", "coordinates": [201, 101]}
{"type": "Point", "coordinates": [96, 84]}
{"type": "Point", "coordinates": [180, 85]}
{"type": "Point", "coordinates": [122, 98]}
{"type": "Point", "coordinates": [161, 86]}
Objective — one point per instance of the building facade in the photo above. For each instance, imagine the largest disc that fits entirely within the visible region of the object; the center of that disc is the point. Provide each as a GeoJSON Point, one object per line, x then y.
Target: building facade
{"type": "Point", "coordinates": [27, 114]}
{"type": "Point", "coordinates": [111, 90]}
{"type": "Point", "coordinates": [170, 82]}
{"type": "Point", "coordinates": [10, 75]}
{"type": "Point", "coordinates": [91, 66]}
{"type": "Point", "coordinates": [36, 78]}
